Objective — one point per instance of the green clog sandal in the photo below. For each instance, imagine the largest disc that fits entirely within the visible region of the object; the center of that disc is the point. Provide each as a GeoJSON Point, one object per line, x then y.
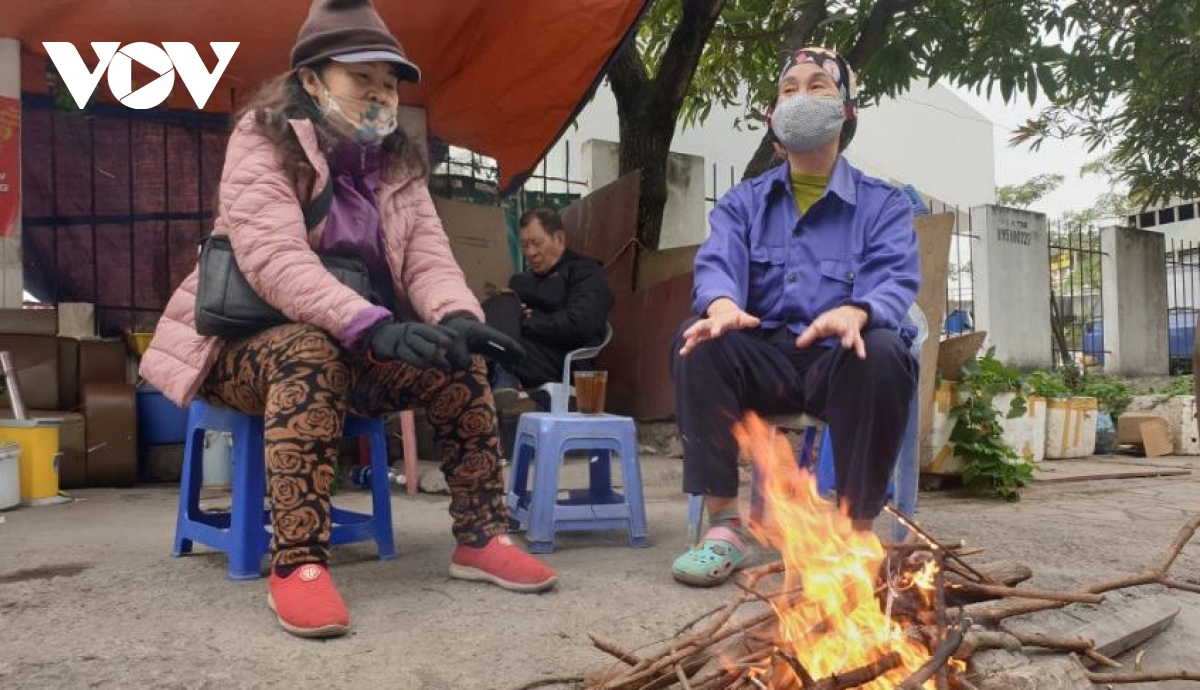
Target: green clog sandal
{"type": "Point", "coordinates": [710, 562]}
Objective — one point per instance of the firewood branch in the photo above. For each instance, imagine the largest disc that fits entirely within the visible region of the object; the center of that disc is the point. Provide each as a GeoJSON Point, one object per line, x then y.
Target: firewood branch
{"type": "Point", "coordinates": [1028, 593]}
{"type": "Point", "coordinates": [954, 639]}
{"type": "Point", "coordinates": [996, 611]}
{"type": "Point", "coordinates": [859, 676]}
{"type": "Point", "coordinates": [1138, 677]}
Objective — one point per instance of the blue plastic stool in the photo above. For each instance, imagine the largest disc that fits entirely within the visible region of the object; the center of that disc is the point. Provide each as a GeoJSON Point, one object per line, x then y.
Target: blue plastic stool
{"type": "Point", "coordinates": [241, 532]}
{"type": "Point", "coordinates": [543, 439]}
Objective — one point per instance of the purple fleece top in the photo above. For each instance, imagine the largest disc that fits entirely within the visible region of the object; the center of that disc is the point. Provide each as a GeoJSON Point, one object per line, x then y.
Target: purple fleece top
{"type": "Point", "coordinates": [353, 228]}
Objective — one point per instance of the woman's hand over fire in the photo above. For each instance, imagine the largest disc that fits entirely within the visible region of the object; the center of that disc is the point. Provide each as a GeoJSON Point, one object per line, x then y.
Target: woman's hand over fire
{"type": "Point", "coordinates": [723, 316]}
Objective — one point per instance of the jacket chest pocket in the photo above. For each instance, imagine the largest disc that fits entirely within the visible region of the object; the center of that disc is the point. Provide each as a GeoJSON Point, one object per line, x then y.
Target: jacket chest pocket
{"type": "Point", "coordinates": [837, 280]}
{"type": "Point", "coordinates": [767, 265]}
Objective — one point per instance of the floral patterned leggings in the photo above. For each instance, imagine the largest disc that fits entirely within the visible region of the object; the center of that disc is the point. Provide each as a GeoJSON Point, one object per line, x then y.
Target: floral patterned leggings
{"type": "Point", "coordinates": [304, 383]}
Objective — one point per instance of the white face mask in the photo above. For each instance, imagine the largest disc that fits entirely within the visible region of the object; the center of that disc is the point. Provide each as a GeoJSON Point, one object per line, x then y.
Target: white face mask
{"type": "Point", "coordinates": [372, 126]}
{"type": "Point", "coordinates": [806, 123]}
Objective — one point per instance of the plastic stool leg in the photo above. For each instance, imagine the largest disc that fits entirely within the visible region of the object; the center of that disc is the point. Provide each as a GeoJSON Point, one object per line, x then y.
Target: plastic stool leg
{"type": "Point", "coordinates": [906, 477]}
{"type": "Point", "coordinates": [408, 441]}
{"type": "Point", "coordinates": [695, 518]}
{"type": "Point", "coordinates": [631, 476]}
{"type": "Point", "coordinates": [600, 486]}
{"type": "Point", "coordinates": [249, 486]}
{"type": "Point", "coordinates": [189, 489]}
{"type": "Point", "coordinates": [381, 494]}
{"type": "Point", "coordinates": [548, 459]}
{"type": "Point", "coordinates": [518, 481]}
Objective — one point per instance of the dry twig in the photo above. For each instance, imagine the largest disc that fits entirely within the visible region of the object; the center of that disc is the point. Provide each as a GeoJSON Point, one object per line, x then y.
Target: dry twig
{"type": "Point", "coordinates": [610, 647]}
{"type": "Point", "coordinates": [859, 676]}
{"type": "Point", "coordinates": [1028, 593]}
{"type": "Point", "coordinates": [806, 680]}
{"type": "Point", "coordinates": [938, 661]}
{"type": "Point", "coordinates": [1144, 677]}
{"type": "Point", "coordinates": [996, 611]}
{"type": "Point", "coordinates": [554, 680]}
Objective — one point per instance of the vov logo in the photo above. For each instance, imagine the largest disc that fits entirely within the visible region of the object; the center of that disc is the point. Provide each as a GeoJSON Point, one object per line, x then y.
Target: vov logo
{"type": "Point", "coordinates": [166, 61]}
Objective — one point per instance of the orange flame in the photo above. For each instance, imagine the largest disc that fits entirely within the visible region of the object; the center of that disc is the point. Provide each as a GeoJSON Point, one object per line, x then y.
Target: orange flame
{"type": "Point", "coordinates": [837, 625]}
{"type": "Point", "coordinates": [923, 581]}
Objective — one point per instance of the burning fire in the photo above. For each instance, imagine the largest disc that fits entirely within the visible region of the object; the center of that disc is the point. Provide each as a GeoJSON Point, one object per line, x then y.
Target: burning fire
{"type": "Point", "coordinates": [837, 625]}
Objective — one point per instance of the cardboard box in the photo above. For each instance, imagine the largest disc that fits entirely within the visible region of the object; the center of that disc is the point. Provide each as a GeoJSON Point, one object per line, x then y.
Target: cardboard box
{"type": "Point", "coordinates": [28, 322]}
{"type": "Point", "coordinates": [1150, 431]}
{"type": "Point", "coordinates": [72, 443]}
{"type": "Point", "coordinates": [77, 320]}
{"type": "Point", "coordinates": [110, 418]}
{"type": "Point", "coordinates": [479, 239]}
{"type": "Point", "coordinates": [36, 361]}
{"type": "Point", "coordinates": [85, 361]}
{"type": "Point", "coordinates": [1129, 426]}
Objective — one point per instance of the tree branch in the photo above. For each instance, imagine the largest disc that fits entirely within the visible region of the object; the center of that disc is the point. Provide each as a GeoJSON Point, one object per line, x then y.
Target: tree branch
{"type": "Point", "coordinates": [793, 35]}
{"type": "Point", "coordinates": [683, 51]}
{"type": "Point", "coordinates": [628, 74]}
{"type": "Point", "coordinates": [763, 35]}
{"type": "Point", "coordinates": [812, 13]}
{"type": "Point", "coordinates": [874, 33]}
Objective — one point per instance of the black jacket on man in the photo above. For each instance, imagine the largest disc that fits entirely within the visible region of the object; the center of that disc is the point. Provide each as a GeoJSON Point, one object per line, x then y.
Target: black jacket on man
{"type": "Point", "coordinates": [570, 306]}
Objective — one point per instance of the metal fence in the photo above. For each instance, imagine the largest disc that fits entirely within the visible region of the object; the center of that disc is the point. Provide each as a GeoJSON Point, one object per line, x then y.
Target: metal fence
{"type": "Point", "coordinates": [464, 175]}
{"type": "Point", "coordinates": [960, 276]}
{"type": "Point", "coordinates": [115, 201]}
{"type": "Point", "coordinates": [1076, 295]}
{"type": "Point", "coordinates": [1183, 302]}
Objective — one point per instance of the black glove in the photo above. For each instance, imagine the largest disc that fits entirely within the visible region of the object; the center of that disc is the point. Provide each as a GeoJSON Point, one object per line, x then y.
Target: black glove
{"type": "Point", "coordinates": [473, 337]}
{"type": "Point", "coordinates": [413, 343]}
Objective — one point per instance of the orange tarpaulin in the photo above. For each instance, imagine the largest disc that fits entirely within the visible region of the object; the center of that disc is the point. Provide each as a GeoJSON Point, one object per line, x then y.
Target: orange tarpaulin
{"type": "Point", "coordinates": [500, 77]}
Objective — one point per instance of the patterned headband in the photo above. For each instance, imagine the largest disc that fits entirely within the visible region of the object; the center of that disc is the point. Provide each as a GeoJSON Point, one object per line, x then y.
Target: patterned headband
{"type": "Point", "coordinates": [833, 64]}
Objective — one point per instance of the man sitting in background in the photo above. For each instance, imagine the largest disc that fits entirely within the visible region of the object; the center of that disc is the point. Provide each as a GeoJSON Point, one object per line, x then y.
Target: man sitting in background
{"type": "Point", "coordinates": [560, 303]}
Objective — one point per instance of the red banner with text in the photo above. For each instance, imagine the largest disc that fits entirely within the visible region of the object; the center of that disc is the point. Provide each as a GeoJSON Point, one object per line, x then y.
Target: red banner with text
{"type": "Point", "coordinates": [10, 163]}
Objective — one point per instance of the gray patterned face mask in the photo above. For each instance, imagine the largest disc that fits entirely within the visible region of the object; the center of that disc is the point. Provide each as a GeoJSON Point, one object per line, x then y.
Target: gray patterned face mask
{"type": "Point", "coordinates": [804, 123]}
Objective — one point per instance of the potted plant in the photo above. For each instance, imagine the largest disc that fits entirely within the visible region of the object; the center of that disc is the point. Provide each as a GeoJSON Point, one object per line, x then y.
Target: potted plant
{"type": "Point", "coordinates": [989, 397]}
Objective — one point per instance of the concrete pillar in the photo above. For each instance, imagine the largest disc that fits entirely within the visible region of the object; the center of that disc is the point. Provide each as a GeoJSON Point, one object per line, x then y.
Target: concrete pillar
{"type": "Point", "coordinates": [12, 282]}
{"type": "Point", "coordinates": [684, 220]}
{"type": "Point", "coordinates": [1011, 263]}
{"type": "Point", "coordinates": [1134, 271]}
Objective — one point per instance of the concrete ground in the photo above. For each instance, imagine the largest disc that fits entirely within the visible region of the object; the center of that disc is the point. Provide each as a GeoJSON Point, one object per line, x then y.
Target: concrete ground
{"type": "Point", "coordinates": [89, 596]}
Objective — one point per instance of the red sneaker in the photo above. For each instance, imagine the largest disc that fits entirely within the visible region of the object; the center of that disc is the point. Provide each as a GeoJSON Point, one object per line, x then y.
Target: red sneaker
{"type": "Point", "coordinates": [306, 602]}
{"type": "Point", "coordinates": [503, 564]}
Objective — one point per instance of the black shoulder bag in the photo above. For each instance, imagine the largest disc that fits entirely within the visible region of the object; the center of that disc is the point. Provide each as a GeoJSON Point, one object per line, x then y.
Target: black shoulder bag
{"type": "Point", "coordinates": [226, 305]}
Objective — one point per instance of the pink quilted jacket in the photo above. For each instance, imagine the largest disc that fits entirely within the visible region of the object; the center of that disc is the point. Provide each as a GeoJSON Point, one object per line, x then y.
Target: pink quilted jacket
{"type": "Point", "coordinates": [259, 210]}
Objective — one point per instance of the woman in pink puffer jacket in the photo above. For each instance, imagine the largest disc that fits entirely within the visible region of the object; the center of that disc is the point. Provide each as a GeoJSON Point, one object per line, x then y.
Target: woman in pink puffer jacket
{"type": "Point", "coordinates": [331, 120]}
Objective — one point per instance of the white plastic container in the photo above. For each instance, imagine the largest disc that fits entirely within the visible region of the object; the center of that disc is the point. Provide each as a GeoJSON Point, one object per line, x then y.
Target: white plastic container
{"type": "Point", "coordinates": [1026, 434]}
{"type": "Point", "coordinates": [937, 454]}
{"type": "Point", "coordinates": [217, 461]}
{"type": "Point", "coordinates": [1071, 428]}
{"type": "Point", "coordinates": [10, 475]}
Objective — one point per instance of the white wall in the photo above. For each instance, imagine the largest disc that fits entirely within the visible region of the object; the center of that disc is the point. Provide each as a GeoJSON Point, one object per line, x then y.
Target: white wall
{"type": "Point", "coordinates": [931, 139]}
{"type": "Point", "coordinates": [927, 137]}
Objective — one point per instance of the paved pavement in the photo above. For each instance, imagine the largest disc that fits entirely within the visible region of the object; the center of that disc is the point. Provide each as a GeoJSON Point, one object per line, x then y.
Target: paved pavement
{"type": "Point", "coordinates": [90, 598]}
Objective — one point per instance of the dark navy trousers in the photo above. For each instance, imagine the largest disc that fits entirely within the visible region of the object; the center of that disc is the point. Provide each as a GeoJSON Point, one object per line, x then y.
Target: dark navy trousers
{"type": "Point", "coordinates": [864, 402]}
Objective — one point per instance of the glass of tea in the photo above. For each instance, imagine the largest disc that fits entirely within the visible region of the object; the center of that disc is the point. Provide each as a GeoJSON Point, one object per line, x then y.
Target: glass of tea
{"type": "Point", "coordinates": [590, 387]}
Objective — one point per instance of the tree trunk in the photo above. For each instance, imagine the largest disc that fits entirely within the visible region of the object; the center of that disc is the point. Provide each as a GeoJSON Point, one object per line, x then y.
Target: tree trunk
{"type": "Point", "coordinates": [646, 146]}
{"type": "Point", "coordinates": [648, 107]}
{"type": "Point", "coordinates": [764, 157]}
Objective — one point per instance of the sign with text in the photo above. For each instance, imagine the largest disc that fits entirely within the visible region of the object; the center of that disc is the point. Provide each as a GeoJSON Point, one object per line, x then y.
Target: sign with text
{"type": "Point", "coordinates": [10, 163]}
